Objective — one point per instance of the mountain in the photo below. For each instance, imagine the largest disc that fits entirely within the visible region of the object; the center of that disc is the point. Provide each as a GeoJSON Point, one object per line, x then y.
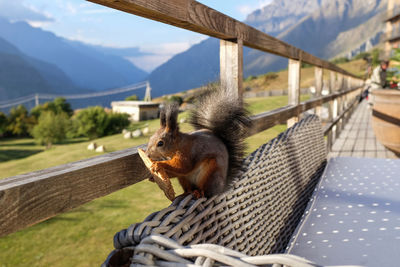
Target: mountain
{"type": "Point", "coordinates": [336, 28]}
{"type": "Point", "coordinates": [85, 65]}
{"type": "Point", "coordinates": [21, 75]}
{"type": "Point", "coordinates": [198, 65]}
{"type": "Point", "coordinates": [325, 28]}
{"type": "Point", "coordinates": [280, 15]}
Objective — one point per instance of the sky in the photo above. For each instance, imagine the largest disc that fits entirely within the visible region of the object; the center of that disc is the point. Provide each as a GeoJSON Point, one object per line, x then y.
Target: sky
{"type": "Point", "coordinates": [94, 24]}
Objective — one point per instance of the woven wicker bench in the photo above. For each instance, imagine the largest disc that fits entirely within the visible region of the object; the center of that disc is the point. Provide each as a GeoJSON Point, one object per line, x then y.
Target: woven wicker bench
{"type": "Point", "coordinates": [255, 218]}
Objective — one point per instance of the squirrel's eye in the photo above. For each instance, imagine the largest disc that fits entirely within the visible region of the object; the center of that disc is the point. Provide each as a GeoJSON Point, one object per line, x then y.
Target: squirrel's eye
{"type": "Point", "coordinates": [160, 143]}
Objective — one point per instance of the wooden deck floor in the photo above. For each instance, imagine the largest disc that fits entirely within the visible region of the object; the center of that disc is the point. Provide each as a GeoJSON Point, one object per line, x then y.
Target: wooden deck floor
{"type": "Point", "coordinates": [357, 138]}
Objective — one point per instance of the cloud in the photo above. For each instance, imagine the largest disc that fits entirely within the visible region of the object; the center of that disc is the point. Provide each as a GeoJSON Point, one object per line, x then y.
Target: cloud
{"type": "Point", "coordinates": [70, 8]}
{"type": "Point", "coordinates": [17, 10]}
{"type": "Point", "coordinates": [247, 9]}
{"type": "Point", "coordinates": [150, 62]}
{"type": "Point", "coordinates": [172, 48]}
{"type": "Point", "coordinates": [166, 48]}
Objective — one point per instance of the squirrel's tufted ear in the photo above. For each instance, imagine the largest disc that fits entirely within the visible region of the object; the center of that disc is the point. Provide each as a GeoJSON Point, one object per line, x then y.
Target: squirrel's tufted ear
{"type": "Point", "coordinates": [172, 117]}
{"type": "Point", "coordinates": [163, 117]}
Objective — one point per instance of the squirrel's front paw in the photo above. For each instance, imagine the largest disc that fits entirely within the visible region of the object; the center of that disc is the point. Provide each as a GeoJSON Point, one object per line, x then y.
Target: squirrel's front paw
{"type": "Point", "coordinates": [155, 167]}
{"type": "Point", "coordinates": [198, 194]}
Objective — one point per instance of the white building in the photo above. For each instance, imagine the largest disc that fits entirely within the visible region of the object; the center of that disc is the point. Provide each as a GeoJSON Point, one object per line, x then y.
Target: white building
{"type": "Point", "coordinates": [137, 110]}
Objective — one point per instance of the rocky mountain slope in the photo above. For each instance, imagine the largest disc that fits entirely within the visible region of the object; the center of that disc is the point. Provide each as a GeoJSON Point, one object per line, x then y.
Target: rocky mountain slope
{"type": "Point", "coordinates": [325, 28]}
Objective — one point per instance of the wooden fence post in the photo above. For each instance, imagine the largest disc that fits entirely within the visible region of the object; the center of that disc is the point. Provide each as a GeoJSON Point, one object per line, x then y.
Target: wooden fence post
{"type": "Point", "coordinates": [231, 66]}
{"type": "Point", "coordinates": [331, 104]}
{"type": "Point", "coordinates": [348, 98]}
{"type": "Point", "coordinates": [318, 87]}
{"type": "Point", "coordinates": [339, 108]}
{"type": "Point", "coordinates": [294, 87]}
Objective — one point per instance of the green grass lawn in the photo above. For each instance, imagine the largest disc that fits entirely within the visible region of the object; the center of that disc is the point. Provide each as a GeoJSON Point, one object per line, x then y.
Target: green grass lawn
{"type": "Point", "coordinates": [84, 236]}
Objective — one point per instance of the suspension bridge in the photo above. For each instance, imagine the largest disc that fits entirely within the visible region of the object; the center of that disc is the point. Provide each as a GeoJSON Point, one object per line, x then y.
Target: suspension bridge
{"type": "Point", "coordinates": [36, 97]}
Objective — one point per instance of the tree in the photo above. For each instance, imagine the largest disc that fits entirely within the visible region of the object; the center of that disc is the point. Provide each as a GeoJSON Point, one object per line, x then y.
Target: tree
{"type": "Point", "coordinates": [3, 124]}
{"type": "Point", "coordinates": [51, 128]}
{"type": "Point", "coordinates": [57, 106]}
{"type": "Point", "coordinates": [132, 98]}
{"type": "Point", "coordinates": [19, 123]}
{"type": "Point", "coordinates": [92, 122]}
{"type": "Point", "coordinates": [61, 105]}
{"type": "Point", "coordinates": [375, 57]}
{"type": "Point", "coordinates": [116, 122]}
{"type": "Point", "coordinates": [176, 99]}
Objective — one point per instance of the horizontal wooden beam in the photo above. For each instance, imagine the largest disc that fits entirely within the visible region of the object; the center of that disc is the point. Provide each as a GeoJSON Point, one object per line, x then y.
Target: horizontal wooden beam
{"type": "Point", "coordinates": [329, 126]}
{"type": "Point", "coordinates": [194, 16]}
{"type": "Point", "coordinates": [33, 197]}
{"type": "Point", "coordinates": [266, 120]}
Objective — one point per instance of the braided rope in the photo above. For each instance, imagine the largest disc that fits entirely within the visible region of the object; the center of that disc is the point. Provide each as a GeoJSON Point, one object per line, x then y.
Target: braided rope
{"type": "Point", "coordinates": [257, 216]}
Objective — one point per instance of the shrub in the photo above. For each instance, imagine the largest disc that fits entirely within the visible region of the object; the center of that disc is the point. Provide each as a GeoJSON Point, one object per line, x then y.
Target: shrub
{"type": "Point", "coordinates": [270, 76]}
{"type": "Point", "coordinates": [361, 55]}
{"type": "Point", "coordinates": [116, 122]}
{"type": "Point", "coordinates": [132, 98]}
{"type": "Point", "coordinates": [73, 129]}
{"type": "Point", "coordinates": [176, 99]}
{"type": "Point", "coordinates": [396, 55]}
{"type": "Point", "coordinates": [19, 122]}
{"type": "Point", "coordinates": [375, 57]}
{"type": "Point", "coordinates": [340, 60]}
{"type": "Point", "coordinates": [51, 128]}
{"type": "Point", "coordinates": [3, 124]}
{"type": "Point", "coordinates": [250, 78]}
{"type": "Point", "coordinates": [92, 122]}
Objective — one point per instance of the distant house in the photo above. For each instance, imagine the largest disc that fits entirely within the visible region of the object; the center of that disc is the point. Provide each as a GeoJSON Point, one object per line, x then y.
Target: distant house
{"type": "Point", "coordinates": [137, 110]}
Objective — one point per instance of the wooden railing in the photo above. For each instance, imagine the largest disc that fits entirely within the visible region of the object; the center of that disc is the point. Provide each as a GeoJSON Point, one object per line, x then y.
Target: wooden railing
{"type": "Point", "coordinates": [30, 198]}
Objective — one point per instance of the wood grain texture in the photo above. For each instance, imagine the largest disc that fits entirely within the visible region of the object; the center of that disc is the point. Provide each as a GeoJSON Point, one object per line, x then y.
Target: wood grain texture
{"type": "Point", "coordinates": [160, 177]}
{"type": "Point", "coordinates": [266, 120]}
{"type": "Point", "coordinates": [231, 66]}
{"type": "Point", "coordinates": [319, 83]}
{"type": "Point", "coordinates": [318, 72]}
{"type": "Point", "coordinates": [329, 126]}
{"type": "Point", "coordinates": [294, 76]}
{"type": "Point", "coordinates": [33, 197]}
{"type": "Point", "coordinates": [194, 16]}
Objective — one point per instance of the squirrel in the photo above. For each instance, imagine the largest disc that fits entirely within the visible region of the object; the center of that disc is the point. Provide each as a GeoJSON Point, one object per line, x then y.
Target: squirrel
{"type": "Point", "coordinates": [205, 160]}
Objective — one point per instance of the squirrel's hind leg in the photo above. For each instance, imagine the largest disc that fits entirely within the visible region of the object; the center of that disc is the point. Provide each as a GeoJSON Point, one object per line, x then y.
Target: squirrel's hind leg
{"type": "Point", "coordinates": [215, 185]}
{"type": "Point", "coordinates": [186, 186]}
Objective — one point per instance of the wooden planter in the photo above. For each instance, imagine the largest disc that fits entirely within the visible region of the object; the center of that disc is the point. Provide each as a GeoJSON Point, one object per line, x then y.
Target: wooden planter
{"type": "Point", "coordinates": [386, 118]}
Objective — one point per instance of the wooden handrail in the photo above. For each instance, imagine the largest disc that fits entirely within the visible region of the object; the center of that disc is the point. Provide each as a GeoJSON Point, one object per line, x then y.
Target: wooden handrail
{"type": "Point", "coordinates": [33, 197]}
{"type": "Point", "coordinates": [266, 120]}
{"type": "Point", "coordinates": [330, 125]}
{"type": "Point", "coordinates": [196, 17]}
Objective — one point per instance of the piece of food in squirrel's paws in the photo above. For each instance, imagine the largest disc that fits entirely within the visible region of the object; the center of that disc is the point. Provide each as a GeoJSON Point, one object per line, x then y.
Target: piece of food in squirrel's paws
{"type": "Point", "coordinates": [160, 177]}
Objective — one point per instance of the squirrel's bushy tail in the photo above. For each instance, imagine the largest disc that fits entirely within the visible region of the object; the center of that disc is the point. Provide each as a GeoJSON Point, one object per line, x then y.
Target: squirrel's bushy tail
{"type": "Point", "coordinates": [220, 112]}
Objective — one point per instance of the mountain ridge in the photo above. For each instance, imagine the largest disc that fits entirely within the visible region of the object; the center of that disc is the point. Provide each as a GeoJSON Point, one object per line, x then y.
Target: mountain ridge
{"type": "Point", "coordinates": [86, 66]}
{"type": "Point", "coordinates": [21, 75]}
{"type": "Point", "coordinates": [322, 21]}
